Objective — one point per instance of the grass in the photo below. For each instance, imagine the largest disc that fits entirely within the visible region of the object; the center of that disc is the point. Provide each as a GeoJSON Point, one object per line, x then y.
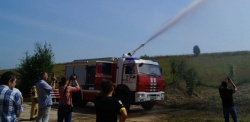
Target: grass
{"type": "Point", "coordinates": [214, 67]}
{"type": "Point", "coordinates": [204, 106]}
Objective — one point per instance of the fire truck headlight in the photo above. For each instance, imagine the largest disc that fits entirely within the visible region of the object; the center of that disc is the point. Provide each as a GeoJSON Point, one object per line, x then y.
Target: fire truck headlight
{"type": "Point", "coordinates": [162, 95]}
{"type": "Point", "coordinates": [141, 95]}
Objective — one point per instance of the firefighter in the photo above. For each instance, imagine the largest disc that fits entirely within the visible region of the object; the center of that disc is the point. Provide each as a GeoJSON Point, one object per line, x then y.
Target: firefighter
{"type": "Point", "coordinates": [34, 106]}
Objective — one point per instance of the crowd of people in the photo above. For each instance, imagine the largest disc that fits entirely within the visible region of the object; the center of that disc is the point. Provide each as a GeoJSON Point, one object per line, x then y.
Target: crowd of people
{"type": "Point", "coordinates": [11, 99]}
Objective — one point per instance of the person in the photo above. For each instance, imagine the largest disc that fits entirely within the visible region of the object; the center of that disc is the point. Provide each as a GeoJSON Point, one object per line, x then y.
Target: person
{"type": "Point", "coordinates": [226, 95]}
{"type": "Point", "coordinates": [10, 102]}
{"type": "Point", "coordinates": [53, 79]}
{"type": "Point", "coordinates": [44, 98]}
{"type": "Point", "coordinates": [20, 94]}
{"type": "Point", "coordinates": [34, 104]}
{"type": "Point", "coordinates": [72, 79]}
{"type": "Point", "coordinates": [107, 107]}
{"type": "Point", "coordinates": [65, 92]}
{"type": "Point", "coordinates": [76, 100]}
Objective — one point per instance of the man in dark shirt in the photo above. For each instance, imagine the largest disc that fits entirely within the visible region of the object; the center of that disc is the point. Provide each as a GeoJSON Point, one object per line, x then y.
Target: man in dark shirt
{"type": "Point", "coordinates": [107, 107]}
{"type": "Point", "coordinates": [227, 100]}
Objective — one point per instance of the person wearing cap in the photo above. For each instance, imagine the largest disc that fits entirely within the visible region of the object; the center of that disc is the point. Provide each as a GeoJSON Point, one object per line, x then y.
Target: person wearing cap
{"type": "Point", "coordinates": [226, 95]}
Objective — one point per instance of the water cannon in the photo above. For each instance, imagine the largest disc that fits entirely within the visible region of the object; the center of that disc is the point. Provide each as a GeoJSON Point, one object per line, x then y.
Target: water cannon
{"type": "Point", "coordinates": [127, 55]}
{"type": "Point", "coordinates": [130, 54]}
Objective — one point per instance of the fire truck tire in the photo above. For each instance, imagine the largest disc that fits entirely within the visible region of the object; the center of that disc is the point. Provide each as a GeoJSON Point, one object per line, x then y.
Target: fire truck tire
{"type": "Point", "coordinates": [148, 105]}
{"type": "Point", "coordinates": [122, 93]}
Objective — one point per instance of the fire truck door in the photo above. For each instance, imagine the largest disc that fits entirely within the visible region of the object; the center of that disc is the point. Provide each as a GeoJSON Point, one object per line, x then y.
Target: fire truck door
{"type": "Point", "coordinates": [129, 76]}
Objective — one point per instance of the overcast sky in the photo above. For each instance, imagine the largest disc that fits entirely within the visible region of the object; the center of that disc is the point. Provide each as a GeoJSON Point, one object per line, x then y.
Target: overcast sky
{"type": "Point", "coordinates": [82, 29]}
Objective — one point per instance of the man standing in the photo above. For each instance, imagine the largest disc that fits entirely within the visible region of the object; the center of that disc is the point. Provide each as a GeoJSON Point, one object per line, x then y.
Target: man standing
{"type": "Point", "coordinates": [10, 102]}
{"type": "Point", "coordinates": [44, 98]}
{"type": "Point", "coordinates": [107, 107]}
{"type": "Point", "coordinates": [227, 100]}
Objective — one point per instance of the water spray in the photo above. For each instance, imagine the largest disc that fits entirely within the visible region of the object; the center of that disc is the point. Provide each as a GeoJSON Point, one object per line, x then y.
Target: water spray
{"type": "Point", "coordinates": [169, 24]}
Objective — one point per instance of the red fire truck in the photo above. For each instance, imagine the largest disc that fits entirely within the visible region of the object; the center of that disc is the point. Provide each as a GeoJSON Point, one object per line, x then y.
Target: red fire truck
{"type": "Point", "coordinates": [137, 81]}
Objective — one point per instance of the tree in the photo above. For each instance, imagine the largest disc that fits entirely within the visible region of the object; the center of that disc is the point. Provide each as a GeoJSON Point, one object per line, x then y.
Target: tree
{"type": "Point", "coordinates": [177, 66]}
{"type": "Point", "coordinates": [191, 77]}
{"type": "Point", "coordinates": [31, 65]}
{"type": "Point", "coordinates": [196, 50]}
{"type": "Point", "coordinates": [144, 56]}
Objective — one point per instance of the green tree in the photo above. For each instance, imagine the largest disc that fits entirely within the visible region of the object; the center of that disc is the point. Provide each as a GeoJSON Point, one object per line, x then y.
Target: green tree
{"type": "Point", "coordinates": [144, 57]}
{"type": "Point", "coordinates": [196, 50]}
{"type": "Point", "coordinates": [191, 77]}
{"type": "Point", "coordinates": [31, 65]}
{"type": "Point", "coordinates": [177, 66]}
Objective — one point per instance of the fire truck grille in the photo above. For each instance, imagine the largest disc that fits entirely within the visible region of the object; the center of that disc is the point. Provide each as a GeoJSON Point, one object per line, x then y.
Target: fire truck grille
{"type": "Point", "coordinates": [152, 86]}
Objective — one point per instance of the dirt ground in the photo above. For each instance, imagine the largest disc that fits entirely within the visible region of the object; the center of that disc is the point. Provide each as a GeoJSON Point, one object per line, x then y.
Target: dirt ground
{"type": "Point", "coordinates": [87, 114]}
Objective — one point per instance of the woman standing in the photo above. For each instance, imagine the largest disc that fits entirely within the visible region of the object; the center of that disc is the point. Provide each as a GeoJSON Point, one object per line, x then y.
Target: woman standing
{"type": "Point", "coordinates": [65, 92]}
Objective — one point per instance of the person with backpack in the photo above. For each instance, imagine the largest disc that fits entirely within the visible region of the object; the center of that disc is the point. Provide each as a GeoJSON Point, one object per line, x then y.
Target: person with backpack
{"type": "Point", "coordinates": [65, 108]}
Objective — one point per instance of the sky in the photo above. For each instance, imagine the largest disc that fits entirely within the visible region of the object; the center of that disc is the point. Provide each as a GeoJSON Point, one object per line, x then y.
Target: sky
{"type": "Point", "coordinates": [84, 29]}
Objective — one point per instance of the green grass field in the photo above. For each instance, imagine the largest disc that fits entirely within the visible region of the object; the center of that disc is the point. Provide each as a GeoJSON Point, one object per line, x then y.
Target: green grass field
{"type": "Point", "coordinates": [205, 104]}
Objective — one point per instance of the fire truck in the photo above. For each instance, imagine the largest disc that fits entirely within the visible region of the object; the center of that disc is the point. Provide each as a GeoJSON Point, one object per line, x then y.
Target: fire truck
{"type": "Point", "coordinates": [136, 81]}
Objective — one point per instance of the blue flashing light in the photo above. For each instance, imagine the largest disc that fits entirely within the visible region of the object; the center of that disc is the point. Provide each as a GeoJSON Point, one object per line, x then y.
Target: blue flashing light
{"type": "Point", "coordinates": [127, 59]}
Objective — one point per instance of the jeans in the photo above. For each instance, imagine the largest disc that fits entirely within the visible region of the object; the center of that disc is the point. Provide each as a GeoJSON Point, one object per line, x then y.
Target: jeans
{"type": "Point", "coordinates": [64, 116]}
{"type": "Point", "coordinates": [232, 111]}
{"type": "Point", "coordinates": [43, 114]}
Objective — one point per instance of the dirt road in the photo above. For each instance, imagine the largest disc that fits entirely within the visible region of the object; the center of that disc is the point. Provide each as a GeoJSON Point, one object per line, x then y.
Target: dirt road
{"type": "Point", "coordinates": [87, 114]}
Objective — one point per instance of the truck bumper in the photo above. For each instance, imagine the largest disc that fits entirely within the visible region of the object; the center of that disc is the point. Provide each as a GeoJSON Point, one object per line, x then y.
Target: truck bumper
{"type": "Point", "coordinates": [149, 96]}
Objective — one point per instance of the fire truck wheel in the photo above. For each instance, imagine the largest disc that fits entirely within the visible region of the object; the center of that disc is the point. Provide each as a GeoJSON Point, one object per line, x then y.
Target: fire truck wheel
{"type": "Point", "coordinates": [148, 105]}
{"type": "Point", "coordinates": [122, 93]}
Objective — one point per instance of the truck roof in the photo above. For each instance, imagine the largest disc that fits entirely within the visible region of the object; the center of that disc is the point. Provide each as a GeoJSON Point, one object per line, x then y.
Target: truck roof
{"type": "Point", "coordinates": [95, 59]}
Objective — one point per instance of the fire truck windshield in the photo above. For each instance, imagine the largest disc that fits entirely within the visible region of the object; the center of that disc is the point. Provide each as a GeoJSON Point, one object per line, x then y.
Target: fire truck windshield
{"type": "Point", "coordinates": [148, 69]}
